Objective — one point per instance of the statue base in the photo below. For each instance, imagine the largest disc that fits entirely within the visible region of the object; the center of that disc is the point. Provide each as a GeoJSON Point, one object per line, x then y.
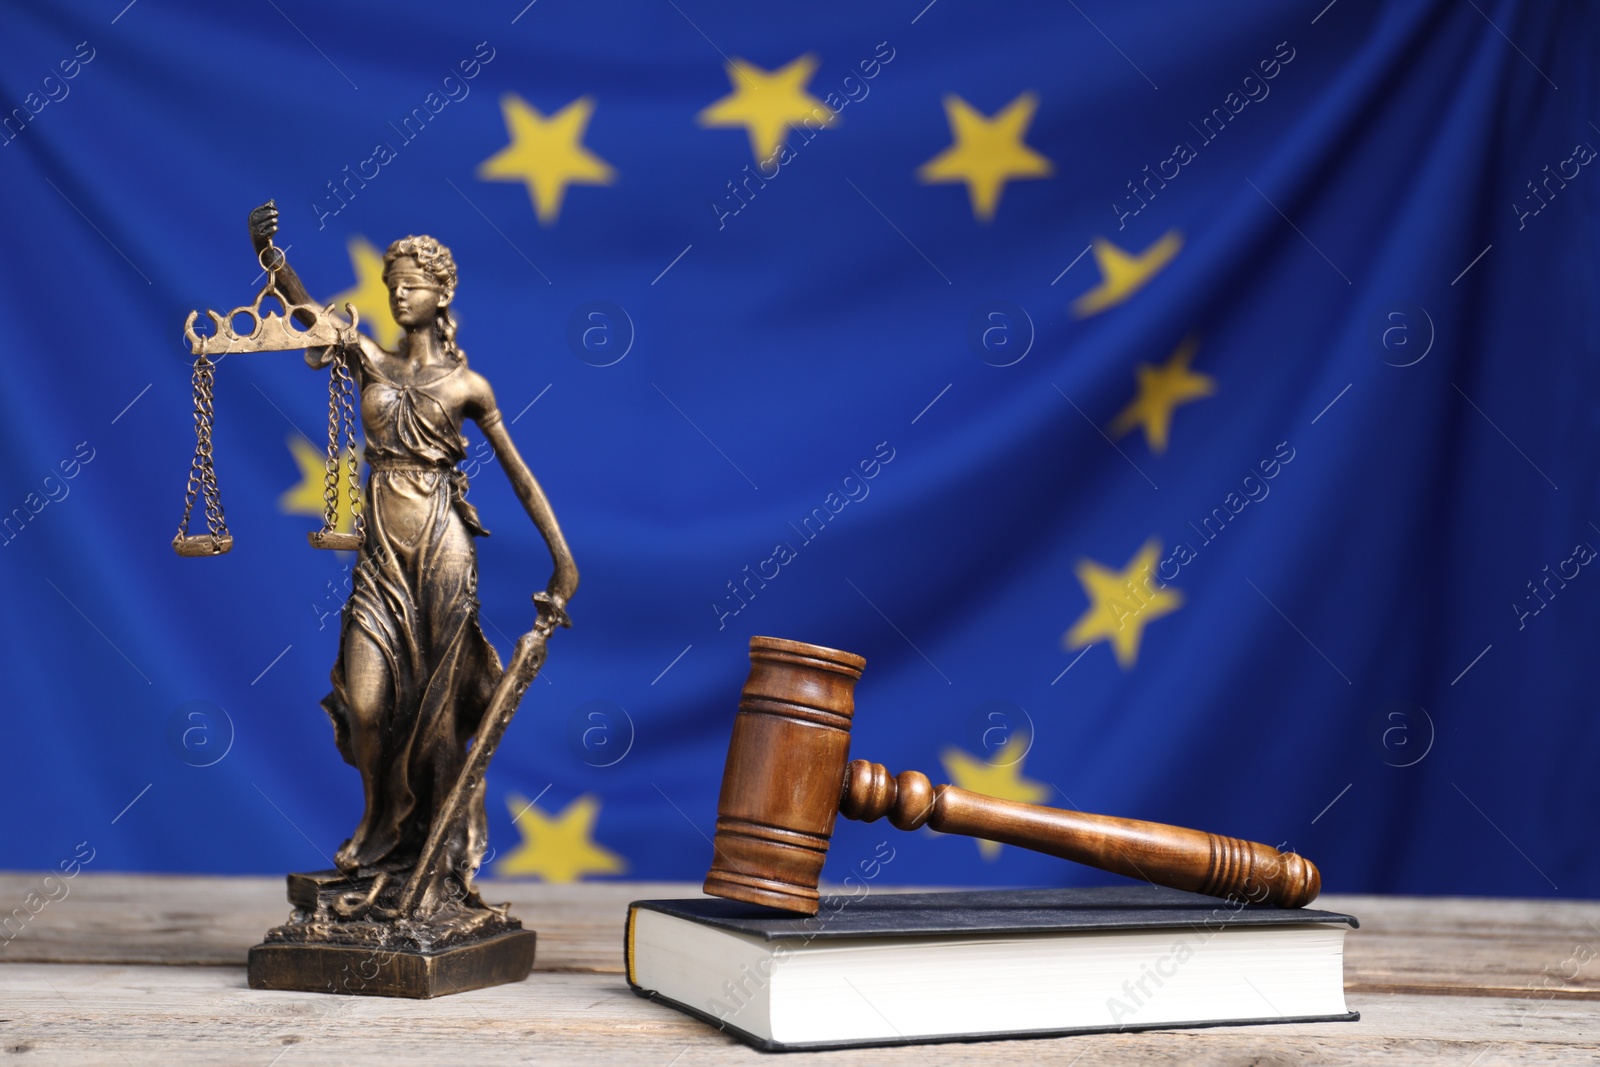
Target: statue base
{"type": "Point", "coordinates": [338, 940]}
{"type": "Point", "coordinates": [318, 968]}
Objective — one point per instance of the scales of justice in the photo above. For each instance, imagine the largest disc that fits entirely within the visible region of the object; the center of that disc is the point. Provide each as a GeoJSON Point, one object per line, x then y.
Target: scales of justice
{"type": "Point", "coordinates": [419, 700]}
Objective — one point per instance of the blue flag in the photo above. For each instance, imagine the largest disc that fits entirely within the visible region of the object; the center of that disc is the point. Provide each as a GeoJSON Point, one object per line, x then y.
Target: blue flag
{"type": "Point", "coordinates": [1189, 413]}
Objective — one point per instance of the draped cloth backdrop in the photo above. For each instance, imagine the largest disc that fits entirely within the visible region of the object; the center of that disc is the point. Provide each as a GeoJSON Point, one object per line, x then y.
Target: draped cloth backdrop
{"type": "Point", "coordinates": [1188, 410]}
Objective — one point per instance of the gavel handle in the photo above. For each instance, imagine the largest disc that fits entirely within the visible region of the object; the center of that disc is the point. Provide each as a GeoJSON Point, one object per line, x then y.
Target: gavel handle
{"type": "Point", "coordinates": [1152, 852]}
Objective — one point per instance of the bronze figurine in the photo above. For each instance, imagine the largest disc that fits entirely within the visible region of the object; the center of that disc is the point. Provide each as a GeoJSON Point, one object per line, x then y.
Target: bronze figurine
{"type": "Point", "coordinates": [415, 679]}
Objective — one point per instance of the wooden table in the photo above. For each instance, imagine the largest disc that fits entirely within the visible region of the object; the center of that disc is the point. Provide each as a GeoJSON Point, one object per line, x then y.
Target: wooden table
{"type": "Point", "coordinates": [150, 970]}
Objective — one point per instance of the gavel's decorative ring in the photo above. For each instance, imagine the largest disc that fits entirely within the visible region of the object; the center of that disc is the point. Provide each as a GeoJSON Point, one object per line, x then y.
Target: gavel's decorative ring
{"type": "Point", "coordinates": [788, 775]}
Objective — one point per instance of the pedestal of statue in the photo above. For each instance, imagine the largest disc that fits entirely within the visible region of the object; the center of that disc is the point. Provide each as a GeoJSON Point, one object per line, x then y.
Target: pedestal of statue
{"type": "Point", "coordinates": [339, 940]}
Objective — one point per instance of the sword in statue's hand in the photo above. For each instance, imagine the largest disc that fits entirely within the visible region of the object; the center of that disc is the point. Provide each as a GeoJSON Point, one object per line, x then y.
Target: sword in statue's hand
{"type": "Point", "coordinates": [526, 661]}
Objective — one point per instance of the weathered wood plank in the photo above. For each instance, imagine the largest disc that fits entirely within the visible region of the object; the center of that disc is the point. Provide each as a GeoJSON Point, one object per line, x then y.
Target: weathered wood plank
{"type": "Point", "coordinates": [1530, 948]}
{"type": "Point", "coordinates": [183, 920]}
{"type": "Point", "coordinates": [1538, 949]}
{"type": "Point", "coordinates": [137, 1015]}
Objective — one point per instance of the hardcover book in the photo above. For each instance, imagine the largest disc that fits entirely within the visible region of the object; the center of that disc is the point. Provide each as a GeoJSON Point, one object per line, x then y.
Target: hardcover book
{"type": "Point", "coordinates": [902, 968]}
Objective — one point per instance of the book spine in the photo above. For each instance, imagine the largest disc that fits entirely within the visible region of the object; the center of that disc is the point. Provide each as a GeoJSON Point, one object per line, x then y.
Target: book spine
{"type": "Point", "coordinates": [627, 945]}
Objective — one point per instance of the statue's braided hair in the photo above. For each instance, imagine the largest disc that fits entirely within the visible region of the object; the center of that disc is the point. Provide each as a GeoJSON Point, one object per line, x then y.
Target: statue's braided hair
{"type": "Point", "coordinates": [436, 261]}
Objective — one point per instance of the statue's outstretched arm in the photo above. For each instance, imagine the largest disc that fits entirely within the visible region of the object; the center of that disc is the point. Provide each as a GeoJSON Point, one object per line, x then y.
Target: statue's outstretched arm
{"type": "Point", "coordinates": [263, 225]}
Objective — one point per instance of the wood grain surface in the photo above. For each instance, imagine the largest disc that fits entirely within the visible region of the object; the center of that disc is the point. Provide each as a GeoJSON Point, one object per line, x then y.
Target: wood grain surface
{"type": "Point", "coordinates": [150, 970]}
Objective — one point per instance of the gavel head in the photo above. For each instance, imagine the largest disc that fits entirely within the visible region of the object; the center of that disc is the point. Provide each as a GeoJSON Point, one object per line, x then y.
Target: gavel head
{"type": "Point", "coordinates": [785, 773]}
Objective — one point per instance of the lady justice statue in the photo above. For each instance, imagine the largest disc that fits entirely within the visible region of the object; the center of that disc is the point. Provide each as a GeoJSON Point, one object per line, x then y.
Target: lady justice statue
{"type": "Point", "coordinates": [419, 698]}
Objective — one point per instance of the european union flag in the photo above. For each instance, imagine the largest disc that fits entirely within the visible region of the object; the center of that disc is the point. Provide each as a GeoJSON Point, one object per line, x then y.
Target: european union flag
{"type": "Point", "coordinates": [1190, 412]}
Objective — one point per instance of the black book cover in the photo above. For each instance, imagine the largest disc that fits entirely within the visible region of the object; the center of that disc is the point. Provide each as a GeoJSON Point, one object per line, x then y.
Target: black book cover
{"type": "Point", "coordinates": [977, 912]}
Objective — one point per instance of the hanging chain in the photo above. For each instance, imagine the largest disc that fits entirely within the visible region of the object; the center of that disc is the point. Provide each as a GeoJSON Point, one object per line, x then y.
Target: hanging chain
{"type": "Point", "coordinates": [330, 483]}
{"type": "Point", "coordinates": [341, 412]}
{"type": "Point", "coordinates": [215, 523]}
{"type": "Point", "coordinates": [195, 464]}
{"type": "Point", "coordinates": [347, 389]}
{"type": "Point", "coordinates": [202, 470]}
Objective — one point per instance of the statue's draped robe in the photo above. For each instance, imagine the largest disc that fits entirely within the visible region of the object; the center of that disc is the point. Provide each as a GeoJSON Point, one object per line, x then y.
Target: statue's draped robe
{"type": "Point", "coordinates": [414, 595]}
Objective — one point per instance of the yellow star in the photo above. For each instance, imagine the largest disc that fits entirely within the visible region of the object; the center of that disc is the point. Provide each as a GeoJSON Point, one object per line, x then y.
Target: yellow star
{"type": "Point", "coordinates": [1122, 603]}
{"type": "Point", "coordinates": [1122, 275]}
{"type": "Point", "coordinates": [1001, 777]}
{"type": "Point", "coordinates": [768, 103]}
{"type": "Point", "coordinates": [369, 295]}
{"type": "Point", "coordinates": [558, 848]}
{"type": "Point", "coordinates": [546, 153]}
{"type": "Point", "coordinates": [306, 498]}
{"type": "Point", "coordinates": [986, 153]}
{"type": "Point", "coordinates": [1162, 389]}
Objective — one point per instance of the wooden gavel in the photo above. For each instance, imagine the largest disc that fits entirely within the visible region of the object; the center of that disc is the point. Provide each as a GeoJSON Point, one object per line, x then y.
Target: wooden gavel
{"type": "Point", "coordinates": [787, 777]}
